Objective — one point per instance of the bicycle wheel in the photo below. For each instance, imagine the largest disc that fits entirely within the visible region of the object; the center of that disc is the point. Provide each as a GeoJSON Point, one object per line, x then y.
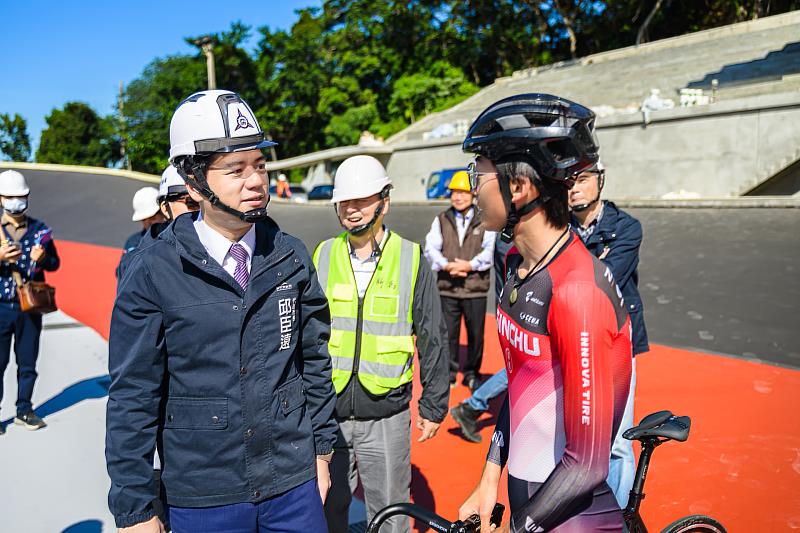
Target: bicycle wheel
{"type": "Point", "coordinates": [694, 524]}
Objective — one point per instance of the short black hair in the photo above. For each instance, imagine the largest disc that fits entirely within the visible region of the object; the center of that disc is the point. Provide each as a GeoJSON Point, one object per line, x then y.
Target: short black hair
{"type": "Point", "coordinates": [556, 208]}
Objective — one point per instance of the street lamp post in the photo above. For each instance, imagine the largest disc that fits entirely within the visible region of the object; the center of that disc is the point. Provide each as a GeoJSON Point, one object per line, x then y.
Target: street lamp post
{"type": "Point", "coordinates": [207, 45]}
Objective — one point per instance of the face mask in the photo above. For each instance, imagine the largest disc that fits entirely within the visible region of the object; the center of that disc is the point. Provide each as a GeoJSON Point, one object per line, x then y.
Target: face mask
{"type": "Point", "coordinates": [15, 206]}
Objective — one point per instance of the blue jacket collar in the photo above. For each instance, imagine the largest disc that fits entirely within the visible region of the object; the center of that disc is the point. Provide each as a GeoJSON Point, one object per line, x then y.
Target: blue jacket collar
{"type": "Point", "coordinates": [269, 241]}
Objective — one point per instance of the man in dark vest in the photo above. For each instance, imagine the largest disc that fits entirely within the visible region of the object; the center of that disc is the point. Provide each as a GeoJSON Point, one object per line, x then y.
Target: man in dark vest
{"type": "Point", "coordinates": [460, 251]}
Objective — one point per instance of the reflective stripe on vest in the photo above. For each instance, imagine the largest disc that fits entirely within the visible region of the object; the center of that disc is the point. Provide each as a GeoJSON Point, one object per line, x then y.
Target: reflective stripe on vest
{"type": "Point", "coordinates": [387, 346]}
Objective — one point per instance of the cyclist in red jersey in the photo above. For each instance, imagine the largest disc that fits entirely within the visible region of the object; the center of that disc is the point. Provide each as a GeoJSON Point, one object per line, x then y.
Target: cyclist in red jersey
{"type": "Point", "coordinates": [562, 322]}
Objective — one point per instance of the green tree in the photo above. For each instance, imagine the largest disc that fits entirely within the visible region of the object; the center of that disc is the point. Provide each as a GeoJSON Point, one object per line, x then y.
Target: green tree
{"type": "Point", "coordinates": [76, 135]}
{"type": "Point", "coordinates": [345, 129]}
{"type": "Point", "coordinates": [149, 103]}
{"type": "Point", "coordinates": [440, 87]}
{"type": "Point", "coordinates": [355, 65]}
{"type": "Point", "coordinates": [292, 71]}
{"type": "Point", "coordinates": [15, 144]}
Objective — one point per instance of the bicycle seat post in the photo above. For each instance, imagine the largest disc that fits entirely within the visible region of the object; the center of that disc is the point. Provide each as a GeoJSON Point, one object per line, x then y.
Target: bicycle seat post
{"type": "Point", "coordinates": [637, 491]}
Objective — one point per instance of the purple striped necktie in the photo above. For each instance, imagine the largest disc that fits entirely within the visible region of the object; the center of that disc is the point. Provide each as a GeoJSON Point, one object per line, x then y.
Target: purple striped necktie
{"type": "Point", "coordinates": [240, 274]}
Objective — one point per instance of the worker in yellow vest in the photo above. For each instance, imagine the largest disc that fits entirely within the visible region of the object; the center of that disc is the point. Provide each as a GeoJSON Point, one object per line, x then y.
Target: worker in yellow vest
{"type": "Point", "coordinates": [382, 294]}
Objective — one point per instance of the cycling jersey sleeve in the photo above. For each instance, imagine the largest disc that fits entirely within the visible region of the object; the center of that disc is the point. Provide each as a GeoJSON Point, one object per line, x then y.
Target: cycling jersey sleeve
{"type": "Point", "coordinates": [498, 449]}
{"type": "Point", "coordinates": [582, 336]}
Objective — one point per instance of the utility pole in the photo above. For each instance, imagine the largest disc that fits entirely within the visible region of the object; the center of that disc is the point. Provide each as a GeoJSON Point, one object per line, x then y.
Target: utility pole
{"type": "Point", "coordinates": [207, 45]}
{"type": "Point", "coordinates": [123, 148]}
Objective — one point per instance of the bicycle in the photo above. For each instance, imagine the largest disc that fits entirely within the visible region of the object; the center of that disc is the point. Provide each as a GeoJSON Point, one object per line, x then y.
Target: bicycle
{"type": "Point", "coordinates": [431, 519]}
{"type": "Point", "coordinates": [653, 431]}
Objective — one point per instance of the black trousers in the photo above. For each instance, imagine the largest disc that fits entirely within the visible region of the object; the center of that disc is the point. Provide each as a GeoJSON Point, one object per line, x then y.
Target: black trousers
{"type": "Point", "coordinates": [474, 312]}
{"type": "Point", "coordinates": [25, 329]}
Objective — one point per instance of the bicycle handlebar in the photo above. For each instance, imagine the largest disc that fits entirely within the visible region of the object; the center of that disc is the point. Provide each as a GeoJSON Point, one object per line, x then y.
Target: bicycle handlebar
{"type": "Point", "coordinates": [436, 522]}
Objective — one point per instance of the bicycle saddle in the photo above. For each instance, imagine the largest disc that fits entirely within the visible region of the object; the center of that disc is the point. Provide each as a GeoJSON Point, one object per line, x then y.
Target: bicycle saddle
{"type": "Point", "coordinates": [661, 424]}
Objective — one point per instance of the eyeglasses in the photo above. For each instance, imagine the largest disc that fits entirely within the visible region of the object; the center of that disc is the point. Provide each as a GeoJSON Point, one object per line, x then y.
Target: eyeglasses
{"type": "Point", "coordinates": [474, 176]}
{"type": "Point", "coordinates": [184, 199]}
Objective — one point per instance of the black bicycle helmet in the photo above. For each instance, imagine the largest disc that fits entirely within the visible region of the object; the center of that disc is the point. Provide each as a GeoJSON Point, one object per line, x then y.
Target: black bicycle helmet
{"type": "Point", "coordinates": [557, 134]}
{"type": "Point", "coordinates": [554, 134]}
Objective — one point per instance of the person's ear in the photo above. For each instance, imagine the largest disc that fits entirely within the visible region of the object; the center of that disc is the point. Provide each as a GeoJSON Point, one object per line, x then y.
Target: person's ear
{"type": "Point", "coordinates": [194, 194]}
{"type": "Point", "coordinates": [386, 203]}
{"type": "Point", "coordinates": [523, 191]}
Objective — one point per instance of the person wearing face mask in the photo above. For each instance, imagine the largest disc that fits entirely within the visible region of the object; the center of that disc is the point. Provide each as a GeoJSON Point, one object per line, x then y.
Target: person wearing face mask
{"type": "Point", "coordinates": [381, 293]}
{"type": "Point", "coordinates": [26, 248]}
{"type": "Point", "coordinates": [218, 350]}
{"type": "Point", "coordinates": [460, 252]}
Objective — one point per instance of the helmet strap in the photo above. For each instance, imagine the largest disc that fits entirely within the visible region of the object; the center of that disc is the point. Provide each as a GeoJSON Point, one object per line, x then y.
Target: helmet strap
{"type": "Point", "coordinates": [515, 214]}
{"type": "Point", "coordinates": [200, 184]}
{"type": "Point", "coordinates": [170, 216]}
{"type": "Point", "coordinates": [363, 228]}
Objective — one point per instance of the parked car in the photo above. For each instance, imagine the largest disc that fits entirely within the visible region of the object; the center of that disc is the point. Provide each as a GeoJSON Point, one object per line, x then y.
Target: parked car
{"type": "Point", "coordinates": [438, 182]}
{"type": "Point", "coordinates": [321, 192]}
{"type": "Point", "coordinates": [299, 194]}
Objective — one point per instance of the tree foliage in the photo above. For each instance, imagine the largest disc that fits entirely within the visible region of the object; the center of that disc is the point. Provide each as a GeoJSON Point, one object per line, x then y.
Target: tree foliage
{"type": "Point", "coordinates": [15, 144]}
{"type": "Point", "coordinates": [76, 135]}
{"type": "Point", "coordinates": [355, 65]}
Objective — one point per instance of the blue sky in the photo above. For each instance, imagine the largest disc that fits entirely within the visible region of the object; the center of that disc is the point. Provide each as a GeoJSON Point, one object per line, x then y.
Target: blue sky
{"type": "Point", "coordinates": [53, 52]}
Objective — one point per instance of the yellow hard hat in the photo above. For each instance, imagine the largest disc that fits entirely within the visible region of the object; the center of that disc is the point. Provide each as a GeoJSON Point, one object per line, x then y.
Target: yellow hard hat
{"type": "Point", "coordinates": [460, 182]}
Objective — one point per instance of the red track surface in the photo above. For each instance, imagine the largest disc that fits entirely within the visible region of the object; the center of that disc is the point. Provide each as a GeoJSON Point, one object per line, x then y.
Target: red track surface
{"type": "Point", "coordinates": [741, 463]}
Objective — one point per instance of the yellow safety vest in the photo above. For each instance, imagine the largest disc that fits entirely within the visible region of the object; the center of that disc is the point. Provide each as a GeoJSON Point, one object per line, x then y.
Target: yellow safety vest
{"type": "Point", "coordinates": [380, 325]}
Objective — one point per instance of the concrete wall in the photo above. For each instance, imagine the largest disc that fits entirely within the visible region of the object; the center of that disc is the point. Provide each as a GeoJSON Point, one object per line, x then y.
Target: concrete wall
{"type": "Point", "coordinates": [715, 151]}
{"type": "Point", "coordinates": [721, 150]}
{"type": "Point", "coordinates": [410, 165]}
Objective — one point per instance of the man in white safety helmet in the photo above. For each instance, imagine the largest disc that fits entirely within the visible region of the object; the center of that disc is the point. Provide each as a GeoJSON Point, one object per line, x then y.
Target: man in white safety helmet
{"type": "Point", "coordinates": [27, 250]}
{"type": "Point", "coordinates": [381, 293]}
{"type": "Point", "coordinates": [147, 213]}
{"type": "Point", "coordinates": [218, 350]}
{"type": "Point", "coordinates": [173, 198]}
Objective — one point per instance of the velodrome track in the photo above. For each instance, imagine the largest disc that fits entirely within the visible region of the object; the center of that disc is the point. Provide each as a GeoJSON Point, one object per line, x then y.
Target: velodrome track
{"type": "Point", "coordinates": [714, 282]}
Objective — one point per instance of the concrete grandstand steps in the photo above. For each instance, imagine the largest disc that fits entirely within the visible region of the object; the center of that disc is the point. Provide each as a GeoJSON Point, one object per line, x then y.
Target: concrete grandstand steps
{"type": "Point", "coordinates": [775, 65]}
{"type": "Point", "coordinates": [787, 84]}
{"type": "Point", "coordinates": [754, 51]}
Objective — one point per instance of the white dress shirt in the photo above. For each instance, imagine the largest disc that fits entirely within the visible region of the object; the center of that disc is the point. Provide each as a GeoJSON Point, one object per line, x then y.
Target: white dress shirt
{"type": "Point", "coordinates": [218, 246]}
{"type": "Point", "coordinates": [434, 242]}
{"type": "Point", "coordinates": [364, 269]}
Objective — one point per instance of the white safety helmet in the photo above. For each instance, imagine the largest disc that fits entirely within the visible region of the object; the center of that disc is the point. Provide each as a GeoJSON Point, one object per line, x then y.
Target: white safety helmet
{"type": "Point", "coordinates": [171, 183]}
{"type": "Point", "coordinates": [145, 203]}
{"type": "Point", "coordinates": [359, 176]}
{"type": "Point", "coordinates": [210, 122]}
{"type": "Point", "coordinates": [213, 122]}
{"type": "Point", "coordinates": [12, 183]}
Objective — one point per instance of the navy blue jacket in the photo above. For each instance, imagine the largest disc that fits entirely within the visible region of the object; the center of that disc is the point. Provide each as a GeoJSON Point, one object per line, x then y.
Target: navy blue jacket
{"type": "Point", "coordinates": [622, 235]}
{"type": "Point", "coordinates": [140, 238]}
{"type": "Point", "coordinates": [201, 368]}
{"type": "Point", "coordinates": [50, 263]}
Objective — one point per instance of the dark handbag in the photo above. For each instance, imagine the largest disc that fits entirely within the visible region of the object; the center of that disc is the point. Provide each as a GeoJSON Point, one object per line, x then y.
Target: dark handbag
{"type": "Point", "coordinates": [35, 296]}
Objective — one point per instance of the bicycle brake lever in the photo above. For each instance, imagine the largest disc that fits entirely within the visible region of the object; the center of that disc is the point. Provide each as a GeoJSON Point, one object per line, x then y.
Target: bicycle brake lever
{"type": "Point", "coordinates": [497, 514]}
{"type": "Point", "coordinates": [473, 523]}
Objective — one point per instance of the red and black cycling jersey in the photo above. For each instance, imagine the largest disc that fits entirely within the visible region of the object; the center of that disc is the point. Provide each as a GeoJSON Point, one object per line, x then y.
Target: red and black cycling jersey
{"type": "Point", "coordinates": [566, 340]}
